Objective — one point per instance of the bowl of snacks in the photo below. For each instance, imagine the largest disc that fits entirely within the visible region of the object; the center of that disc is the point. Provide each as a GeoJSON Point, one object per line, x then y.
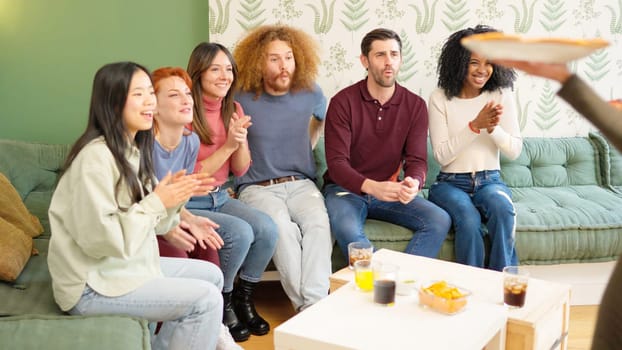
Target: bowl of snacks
{"type": "Point", "coordinates": [443, 297]}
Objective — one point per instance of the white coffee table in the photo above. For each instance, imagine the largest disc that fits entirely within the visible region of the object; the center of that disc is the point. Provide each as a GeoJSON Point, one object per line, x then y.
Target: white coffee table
{"type": "Point", "coordinates": [348, 319]}
{"type": "Point", "coordinates": [541, 324]}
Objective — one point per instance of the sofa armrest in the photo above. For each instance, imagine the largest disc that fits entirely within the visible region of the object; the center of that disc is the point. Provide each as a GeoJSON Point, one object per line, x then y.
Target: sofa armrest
{"type": "Point", "coordinates": [74, 332]}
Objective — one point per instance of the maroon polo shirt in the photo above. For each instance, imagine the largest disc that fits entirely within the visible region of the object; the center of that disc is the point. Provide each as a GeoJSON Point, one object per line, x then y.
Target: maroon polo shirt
{"type": "Point", "coordinates": [366, 140]}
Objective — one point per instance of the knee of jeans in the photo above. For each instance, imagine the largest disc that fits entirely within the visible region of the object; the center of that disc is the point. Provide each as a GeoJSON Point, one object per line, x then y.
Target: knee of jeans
{"type": "Point", "coordinates": [267, 230]}
{"type": "Point", "coordinates": [503, 212]}
{"type": "Point", "coordinates": [468, 223]}
{"type": "Point", "coordinates": [504, 206]}
{"type": "Point", "coordinates": [344, 230]}
{"type": "Point", "coordinates": [208, 301]}
{"type": "Point", "coordinates": [240, 236]}
{"type": "Point", "coordinates": [442, 220]}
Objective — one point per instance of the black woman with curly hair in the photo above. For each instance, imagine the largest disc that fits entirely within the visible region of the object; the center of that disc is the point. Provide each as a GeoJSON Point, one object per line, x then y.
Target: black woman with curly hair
{"type": "Point", "coordinates": [472, 118]}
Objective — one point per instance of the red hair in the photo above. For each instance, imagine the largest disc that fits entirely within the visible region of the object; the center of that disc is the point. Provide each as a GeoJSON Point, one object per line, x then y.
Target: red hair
{"type": "Point", "coordinates": [167, 72]}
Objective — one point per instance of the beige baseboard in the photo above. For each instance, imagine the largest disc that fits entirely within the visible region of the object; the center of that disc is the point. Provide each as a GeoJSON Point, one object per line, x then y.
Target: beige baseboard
{"type": "Point", "coordinates": [272, 275]}
{"type": "Point", "coordinates": [587, 281]}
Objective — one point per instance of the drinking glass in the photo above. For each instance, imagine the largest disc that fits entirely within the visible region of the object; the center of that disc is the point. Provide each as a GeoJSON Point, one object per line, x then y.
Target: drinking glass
{"type": "Point", "coordinates": [364, 275]}
{"type": "Point", "coordinates": [359, 251]}
{"type": "Point", "coordinates": [515, 282]}
{"type": "Point", "coordinates": [385, 279]}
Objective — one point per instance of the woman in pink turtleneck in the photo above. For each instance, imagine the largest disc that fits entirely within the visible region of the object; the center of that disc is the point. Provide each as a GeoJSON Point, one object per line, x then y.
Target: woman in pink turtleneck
{"type": "Point", "coordinates": [249, 235]}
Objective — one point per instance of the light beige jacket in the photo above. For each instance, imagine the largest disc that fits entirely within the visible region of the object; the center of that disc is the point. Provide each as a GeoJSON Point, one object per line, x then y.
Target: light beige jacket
{"type": "Point", "coordinates": [93, 241]}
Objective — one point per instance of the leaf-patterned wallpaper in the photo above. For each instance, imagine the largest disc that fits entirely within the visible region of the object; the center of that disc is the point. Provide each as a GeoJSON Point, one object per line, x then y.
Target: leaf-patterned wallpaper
{"type": "Point", "coordinates": [423, 25]}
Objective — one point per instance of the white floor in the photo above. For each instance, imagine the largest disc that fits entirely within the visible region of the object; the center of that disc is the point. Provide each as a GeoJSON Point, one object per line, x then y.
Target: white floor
{"type": "Point", "coordinates": [588, 281]}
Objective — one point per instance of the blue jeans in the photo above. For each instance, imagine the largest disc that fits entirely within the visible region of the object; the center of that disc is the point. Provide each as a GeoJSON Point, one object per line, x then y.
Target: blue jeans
{"type": "Point", "coordinates": [250, 236]}
{"type": "Point", "coordinates": [187, 299]}
{"type": "Point", "coordinates": [348, 213]}
{"type": "Point", "coordinates": [473, 199]}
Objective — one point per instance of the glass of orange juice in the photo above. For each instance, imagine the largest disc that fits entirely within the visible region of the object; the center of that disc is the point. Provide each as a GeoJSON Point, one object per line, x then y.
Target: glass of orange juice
{"type": "Point", "coordinates": [364, 275]}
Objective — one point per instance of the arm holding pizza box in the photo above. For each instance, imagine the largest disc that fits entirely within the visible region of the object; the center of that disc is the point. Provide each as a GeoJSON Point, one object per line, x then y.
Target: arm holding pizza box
{"type": "Point", "coordinates": [608, 332]}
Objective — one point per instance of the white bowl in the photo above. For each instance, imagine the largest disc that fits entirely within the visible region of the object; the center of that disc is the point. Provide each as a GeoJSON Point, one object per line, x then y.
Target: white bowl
{"type": "Point", "coordinates": [405, 286]}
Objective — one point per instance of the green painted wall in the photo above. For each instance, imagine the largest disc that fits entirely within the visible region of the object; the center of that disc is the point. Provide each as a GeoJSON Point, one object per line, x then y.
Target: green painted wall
{"type": "Point", "coordinates": [50, 50]}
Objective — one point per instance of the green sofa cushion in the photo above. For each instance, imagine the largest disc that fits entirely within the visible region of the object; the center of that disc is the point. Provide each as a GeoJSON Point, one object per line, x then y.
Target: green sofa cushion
{"type": "Point", "coordinates": [33, 170]}
{"type": "Point", "coordinates": [567, 224]}
{"type": "Point", "coordinates": [553, 163]}
{"type": "Point", "coordinates": [34, 332]}
{"type": "Point", "coordinates": [611, 160]}
{"type": "Point", "coordinates": [31, 293]}
{"type": "Point", "coordinates": [616, 167]}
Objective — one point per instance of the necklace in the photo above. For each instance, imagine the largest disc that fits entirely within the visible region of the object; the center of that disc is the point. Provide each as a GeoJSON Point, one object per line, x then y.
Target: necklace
{"type": "Point", "coordinates": [168, 148]}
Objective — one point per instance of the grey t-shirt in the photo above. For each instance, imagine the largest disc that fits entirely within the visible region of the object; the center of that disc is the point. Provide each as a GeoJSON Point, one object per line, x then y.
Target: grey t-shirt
{"type": "Point", "coordinates": [182, 157]}
{"type": "Point", "coordinates": [279, 137]}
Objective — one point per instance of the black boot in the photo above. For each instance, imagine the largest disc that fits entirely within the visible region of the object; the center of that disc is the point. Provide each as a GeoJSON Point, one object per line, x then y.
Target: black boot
{"type": "Point", "coordinates": [238, 330]}
{"type": "Point", "coordinates": [245, 308]}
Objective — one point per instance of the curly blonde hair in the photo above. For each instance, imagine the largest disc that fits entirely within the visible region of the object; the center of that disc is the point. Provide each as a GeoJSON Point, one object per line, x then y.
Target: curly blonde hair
{"type": "Point", "coordinates": [250, 55]}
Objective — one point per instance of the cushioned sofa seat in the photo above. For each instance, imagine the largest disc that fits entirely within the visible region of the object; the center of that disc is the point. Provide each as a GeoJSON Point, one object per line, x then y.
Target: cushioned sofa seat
{"type": "Point", "coordinates": [564, 225]}
{"type": "Point", "coordinates": [33, 170]}
{"type": "Point", "coordinates": [577, 207]}
{"type": "Point", "coordinates": [31, 293]}
{"type": "Point", "coordinates": [74, 332]}
{"type": "Point", "coordinates": [565, 213]}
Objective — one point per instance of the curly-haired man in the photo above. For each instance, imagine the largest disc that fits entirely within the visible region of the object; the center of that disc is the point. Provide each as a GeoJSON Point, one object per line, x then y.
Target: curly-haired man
{"type": "Point", "coordinates": [278, 65]}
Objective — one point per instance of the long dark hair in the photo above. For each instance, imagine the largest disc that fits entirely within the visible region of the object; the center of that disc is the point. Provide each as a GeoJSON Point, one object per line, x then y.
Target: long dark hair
{"type": "Point", "coordinates": [453, 65]}
{"type": "Point", "coordinates": [200, 59]}
{"type": "Point", "coordinates": [110, 89]}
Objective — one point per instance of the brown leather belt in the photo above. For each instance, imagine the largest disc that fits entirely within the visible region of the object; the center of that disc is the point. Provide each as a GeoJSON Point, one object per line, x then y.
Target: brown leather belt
{"type": "Point", "coordinates": [278, 180]}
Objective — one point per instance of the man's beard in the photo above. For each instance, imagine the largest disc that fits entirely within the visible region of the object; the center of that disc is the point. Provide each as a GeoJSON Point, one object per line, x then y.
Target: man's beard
{"type": "Point", "coordinates": [278, 86]}
{"type": "Point", "coordinates": [384, 82]}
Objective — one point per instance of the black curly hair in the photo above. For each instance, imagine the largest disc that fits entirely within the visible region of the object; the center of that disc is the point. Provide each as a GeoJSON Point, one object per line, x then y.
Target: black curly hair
{"type": "Point", "coordinates": [453, 65]}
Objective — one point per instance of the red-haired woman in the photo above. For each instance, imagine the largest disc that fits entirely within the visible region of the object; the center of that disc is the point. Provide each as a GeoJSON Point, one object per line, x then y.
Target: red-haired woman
{"type": "Point", "coordinates": [176, 148]}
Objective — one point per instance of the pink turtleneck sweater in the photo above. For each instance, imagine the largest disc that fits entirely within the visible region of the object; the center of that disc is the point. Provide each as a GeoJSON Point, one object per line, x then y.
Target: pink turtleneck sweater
{"type": "Point", "coordinates": [219, 137]}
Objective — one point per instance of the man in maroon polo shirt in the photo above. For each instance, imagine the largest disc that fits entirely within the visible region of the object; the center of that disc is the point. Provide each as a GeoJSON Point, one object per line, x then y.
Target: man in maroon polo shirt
{"type": "Point", "coordinates": [374, 128]}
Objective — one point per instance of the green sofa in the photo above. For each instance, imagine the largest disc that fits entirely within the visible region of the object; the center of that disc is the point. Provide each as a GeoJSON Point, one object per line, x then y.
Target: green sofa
{"type": "Point", "coordinates": [31, 319]}
{"type": "Point", "coordinates": [567, 193]}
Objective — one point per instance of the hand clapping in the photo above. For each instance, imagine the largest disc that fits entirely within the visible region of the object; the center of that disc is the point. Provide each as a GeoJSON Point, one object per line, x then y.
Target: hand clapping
{"type": "Point", "coordinates": [177, 188]}
{"type": "Point", "coordinates": [489, 117]}
{"type": "Point", "coordinates": [237, 133]}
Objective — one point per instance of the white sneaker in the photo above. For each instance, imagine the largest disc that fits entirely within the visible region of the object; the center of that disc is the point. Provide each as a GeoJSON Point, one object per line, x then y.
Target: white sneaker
{"type": "Point", "coordinates": [225, 340]}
